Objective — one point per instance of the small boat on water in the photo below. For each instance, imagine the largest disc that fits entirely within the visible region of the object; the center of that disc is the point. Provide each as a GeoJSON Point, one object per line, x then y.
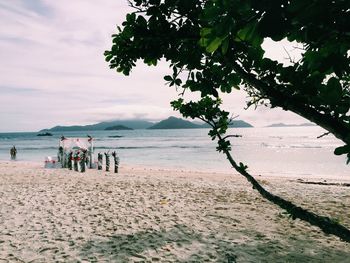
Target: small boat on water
{"type": "Point", "coordinates": [44, 134]}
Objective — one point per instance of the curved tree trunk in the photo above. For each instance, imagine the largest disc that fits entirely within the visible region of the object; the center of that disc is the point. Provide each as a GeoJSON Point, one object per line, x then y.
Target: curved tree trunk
{"type": "Point", "coordinates": [327, 225]}
{"type": "Point", "coordinates": [333, 124]}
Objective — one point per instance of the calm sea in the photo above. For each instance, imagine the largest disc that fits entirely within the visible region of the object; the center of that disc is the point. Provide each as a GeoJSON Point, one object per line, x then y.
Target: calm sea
{"type": "Point", "coordinates": [267, 151]}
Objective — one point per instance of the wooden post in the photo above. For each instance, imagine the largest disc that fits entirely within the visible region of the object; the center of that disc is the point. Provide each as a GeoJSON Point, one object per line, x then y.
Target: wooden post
{"type": "Point", "coordinates": [60, 156]}
{"type": "Point", "coordinates": [66, 159]}
{"type": "Point", "coordinates": [87, 160]}
{"type": "Point", "coordinates": [69, 160]}
{"type": "Point", "coordinates": [91, 151]}
{"type": "Point", "coordinates": [76, 157]}
{"type": "Point", "coordinates": [107, 161]}
{"type": "Point", "coordinates": [99, 161]}
{"type": "Point", "coordinates": [116, 162]}
{"type": "Point", "coordinates": [62, 153]}
{"type": "Point", "coordinates": [82, 161]}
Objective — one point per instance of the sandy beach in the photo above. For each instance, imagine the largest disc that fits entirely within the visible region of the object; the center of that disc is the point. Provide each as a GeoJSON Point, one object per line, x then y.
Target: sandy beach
{"type": "Point", "coordinates": [157, 215]}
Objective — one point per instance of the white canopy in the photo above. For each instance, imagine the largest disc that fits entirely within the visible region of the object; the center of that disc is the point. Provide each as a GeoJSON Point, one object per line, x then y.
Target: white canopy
{"type": "Point", "coordinates": [71, 143]}
{"type": "Point", "coordinates": [74, 145]}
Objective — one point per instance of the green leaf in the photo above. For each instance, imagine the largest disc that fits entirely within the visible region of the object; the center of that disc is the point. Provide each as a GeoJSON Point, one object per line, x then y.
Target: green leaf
{"type": "Point", "coordinates": [211, 12]}
{"type": "Point", "coordinates": [224, 46]}
{"type": "Point", "coordinates": [168, 78]}
{"type": "Point", "coordinates": [142, 21]}
{"type": "Point", "coordinates": [131, 17]}
{"type": "Point", "coordinates": [108, 57]}
{"type": "Point", "coordinates": [203, 42]}
{"type": "Point", "coordinates": [233, 79]}
{"type": "Point", "coordinates": [178, 82]}
{"type": "Point", "coordinates": [205, 31]}
{"type": "Point", "coordinates": [334, 85]}
{"type": "Point", "coordinates": [332, 92]}
{"type": "Point", "coordinates": [342, 150]}
{"type": "Point", "coordinates": [214, 44]}
{"type": "Point", "coordinates": [246, 33]}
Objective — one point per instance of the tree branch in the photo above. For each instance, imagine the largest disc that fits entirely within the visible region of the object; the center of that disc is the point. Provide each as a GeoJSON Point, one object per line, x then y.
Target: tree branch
{"type": "Point", "coordinates": [233, 135]}
{"type": "Point", "coordinates": [325, 134]}
{"type": "Point", "coordinates": [329, 123]}
{"type": "Point", "coordinates": [327, 225]}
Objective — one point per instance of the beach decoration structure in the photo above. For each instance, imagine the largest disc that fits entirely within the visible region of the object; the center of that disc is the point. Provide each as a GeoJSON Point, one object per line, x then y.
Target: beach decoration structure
{"type": "Point", "coordinates": [69, 160]}
{"type": "Point", "coordinates": [80, 151]}
{"type": "Point", "coordinates": [75, 161]}
{"type": "Point", "coordinates": [116, 161]}
{"type": "Point", "coordinates": [78, 154]}
{"type": "Point", "coordinates": [99, 161]}
{"type": "Point", "coordinates": [107, 161]}
{"type": "Point", "coordinates": [83, 159]}
{"type": "Point", "coordinates": [51, 162]}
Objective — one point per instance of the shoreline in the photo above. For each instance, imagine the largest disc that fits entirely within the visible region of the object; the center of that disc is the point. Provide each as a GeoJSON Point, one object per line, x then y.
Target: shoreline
{"type": "Point", "coordinates": [152, 214]}
{"type": "Point", "coordinates": [129, 167]}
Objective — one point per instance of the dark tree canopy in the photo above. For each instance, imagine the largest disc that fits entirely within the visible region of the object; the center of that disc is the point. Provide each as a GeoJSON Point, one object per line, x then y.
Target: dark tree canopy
{"type": "Point", "coordinates": [215, 46]}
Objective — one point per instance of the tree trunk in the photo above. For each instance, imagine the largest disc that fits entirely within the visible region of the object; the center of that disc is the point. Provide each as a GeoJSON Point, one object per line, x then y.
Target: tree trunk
{"type": "Point", "coordinates": [327, 225]}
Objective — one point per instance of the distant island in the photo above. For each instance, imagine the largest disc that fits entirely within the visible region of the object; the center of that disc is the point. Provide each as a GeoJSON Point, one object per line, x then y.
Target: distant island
{"type": "Point", "coordinates": [240, 124]}
{"type": "Point", "coordinates": [44, 134]}
{"type": "Point", "coordinates": [133, 124]}
{"type": "Point", "coordinates": [169, 123]}
{"type": "Point", "coordinates": [115, 136]}
{"type": "Point", "coordinates": [233, 124]}
{"type": "Point", "coordinates": [291, 125]}
{"type": "Point", "coordinates": [177, 123]}
{"type": "Point", "coordinates": [174, 123]}
{"type": "Point", "coordinates": [117, 128]}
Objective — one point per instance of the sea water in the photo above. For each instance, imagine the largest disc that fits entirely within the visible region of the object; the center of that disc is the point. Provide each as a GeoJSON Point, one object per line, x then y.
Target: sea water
{"type": "Point", "coordinates": [291, 151]}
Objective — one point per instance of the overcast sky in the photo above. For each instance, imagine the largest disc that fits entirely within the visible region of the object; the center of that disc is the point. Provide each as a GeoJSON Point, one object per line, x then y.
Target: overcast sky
{"type": "Point", "coordinates": [52, 70]}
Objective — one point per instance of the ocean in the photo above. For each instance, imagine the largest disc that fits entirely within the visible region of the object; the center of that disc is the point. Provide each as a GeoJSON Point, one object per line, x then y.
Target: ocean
{"type": "Point", "coordinates": [285, 151]}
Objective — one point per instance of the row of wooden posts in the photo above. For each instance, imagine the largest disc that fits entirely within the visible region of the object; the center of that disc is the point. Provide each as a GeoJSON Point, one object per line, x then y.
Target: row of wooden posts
{"type": "Point", "coordinates": [107, 157]}
{"type": "Point", "coordinates": [80, 160]}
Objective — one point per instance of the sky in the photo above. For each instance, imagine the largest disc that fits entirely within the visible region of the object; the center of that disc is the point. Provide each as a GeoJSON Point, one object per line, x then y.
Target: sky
{"type": "Point", "coordinates": [53, 72]}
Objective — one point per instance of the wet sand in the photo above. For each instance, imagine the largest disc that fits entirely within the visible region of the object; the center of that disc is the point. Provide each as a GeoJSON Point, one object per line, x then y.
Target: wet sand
{"type": "Point", "coordinates": [158, 215]}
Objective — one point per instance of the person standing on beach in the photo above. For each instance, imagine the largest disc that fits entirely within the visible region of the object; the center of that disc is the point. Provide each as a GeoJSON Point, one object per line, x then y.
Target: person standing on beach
{"type": "Point", "coordinates": [13, 153]}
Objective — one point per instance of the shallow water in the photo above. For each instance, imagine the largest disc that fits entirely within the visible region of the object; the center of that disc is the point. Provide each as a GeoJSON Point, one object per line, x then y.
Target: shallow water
{"type": "Point", "coordinates": [269, 151]}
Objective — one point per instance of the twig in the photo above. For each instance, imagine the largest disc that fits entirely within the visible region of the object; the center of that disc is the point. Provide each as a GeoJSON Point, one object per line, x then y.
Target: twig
{"type": "Point", "coordinates": [325, 134]}
{"type": "Point", "coordinates": [289, 57]}
{"type": "Point", "coordinates": [324, 183]}
{"type": "Point", "coordinates": [233, 135]}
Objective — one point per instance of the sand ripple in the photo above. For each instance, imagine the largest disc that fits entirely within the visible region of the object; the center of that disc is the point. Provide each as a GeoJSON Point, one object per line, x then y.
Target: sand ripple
{"type": "Point", "coordinates": [145, 215]}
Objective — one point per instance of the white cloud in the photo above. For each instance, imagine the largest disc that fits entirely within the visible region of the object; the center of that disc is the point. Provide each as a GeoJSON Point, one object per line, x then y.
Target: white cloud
{"type": "Point", "coordinates": [53, 69]}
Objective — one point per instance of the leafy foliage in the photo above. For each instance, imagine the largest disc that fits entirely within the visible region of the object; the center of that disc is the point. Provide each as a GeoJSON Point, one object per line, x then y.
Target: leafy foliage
{"type": "Point", "coordinates": [215, 46]}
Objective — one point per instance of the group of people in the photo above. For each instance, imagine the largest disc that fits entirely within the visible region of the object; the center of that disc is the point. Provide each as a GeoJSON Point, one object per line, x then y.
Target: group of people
{"type": "Point", "coordinates": [13, 153]}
